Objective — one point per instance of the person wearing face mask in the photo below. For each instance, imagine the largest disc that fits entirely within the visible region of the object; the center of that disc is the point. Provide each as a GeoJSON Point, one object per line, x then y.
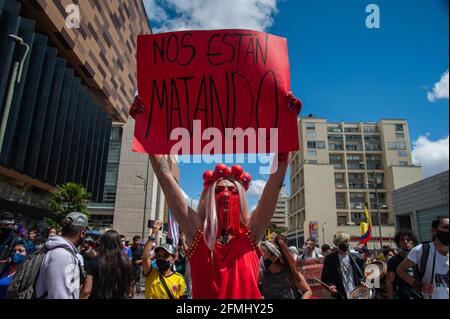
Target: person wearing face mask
{"type": "Point", "coordinates": [161, 282]}
{"type": "Point", "coordinates": [59, 275]}
{"type": "Point", "coordinates": [432, 262]}
{"type": "Point", "coordinates": [396, 287]}
{"type": "Point", "coordinates": [342, 270]}
{"type": "Point", "coordinates": [125, 246]}
{"type": "Point", "coordinates": [17, 257]}
{"type": "Point", "coordinates": [280, 278]}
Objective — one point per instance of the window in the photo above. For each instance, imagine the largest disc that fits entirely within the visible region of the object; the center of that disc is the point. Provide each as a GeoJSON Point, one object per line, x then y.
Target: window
{"type": "Point", "coordinates": [378, 177]}
{"type": "Point", "coordinates": [311, 134]}
{"type": "Point", "coordinates": [312, 162]}
{"type": "Point", "coordinates": [316, 144]}
{"type": "Point", "coordinates": [337, 161]}
{"type": "Point", "coordinates": [340, 201]}
{"type": "Point", "coordinates": [402, 154]}
{"type": "Point", "coordinates": [312, 153]}
{"type": "Point", "coordinates": [399, 127]}
{"type": "Point", "coordinates": [351, 130]}
{"type": "Point", "coordinates": [381, 200]}
{"type": "Point", "coordinates": [342, 219]}
{"type": "Point", "coordinates": [393, 146]}
{"type": "Point", "coordinates": [403, 163]}
{"type": "Point", "coordinates": [356, 181]}
{"type": "Point", "coordinates": [339, 179]}
{"type": "Point", "coordinates": [399, 135]}
{"type": "Point", "coordinates": [357, 200]}
{"type": "Point", "coordinates": [310, 126]}
{"type": "Point", "coordinates": [370, 129]}
{"type": "Point", "coordinates": [357, 218]}
{"type": "Point", "coordinates": [383, 218]}
{"type": "Point", "coordinates": [334, 129]}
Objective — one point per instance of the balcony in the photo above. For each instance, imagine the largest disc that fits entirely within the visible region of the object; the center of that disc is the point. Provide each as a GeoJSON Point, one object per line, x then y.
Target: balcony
{"type": "Point", "coordinates": [356, 205]}
{"type": "Point", "coordinates": [341, 205]}
{"type": "Point", "coordinates": [354, 166]}
{"type": "Point", "coordinates": [352, 130]}
{"type": "Point", "coordinates": [373, 147]}
{"type": "Point", "coordinates": [335, 147]}
{"type": "Point", "coordinates": [356, 185]}
{"type": "Point", "coordinates": [354, 147]}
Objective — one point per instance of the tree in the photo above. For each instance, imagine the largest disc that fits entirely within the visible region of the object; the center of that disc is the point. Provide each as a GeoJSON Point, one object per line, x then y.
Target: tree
{"type": "Point", "coordinates": [70, 197]}
{"type": "Point", "coordinates": [274, 228]}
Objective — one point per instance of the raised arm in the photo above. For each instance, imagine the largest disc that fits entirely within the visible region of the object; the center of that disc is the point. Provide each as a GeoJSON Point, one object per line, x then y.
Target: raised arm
{"type": "Point", "coordinates": [263, 213]}
{"type": "Point", "coordinates": [146, 252]}
{"type": "Point", "coordinates": [183, 214]}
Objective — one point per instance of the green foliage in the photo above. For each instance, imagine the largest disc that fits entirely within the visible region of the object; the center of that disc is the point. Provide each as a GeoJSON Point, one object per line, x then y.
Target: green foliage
{"type": "Point", "coordinates": [275, 229]}
{"type": "Point", "coordinates": [70, 197]}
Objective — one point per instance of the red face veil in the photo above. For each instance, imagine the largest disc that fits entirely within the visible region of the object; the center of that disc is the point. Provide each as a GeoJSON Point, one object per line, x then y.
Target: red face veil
{"type": "Point", "coordinates": [228, 210]}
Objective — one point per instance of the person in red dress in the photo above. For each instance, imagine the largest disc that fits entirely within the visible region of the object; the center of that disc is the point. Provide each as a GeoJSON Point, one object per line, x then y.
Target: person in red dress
{"type": "Point", "coordinates": [222, 236]}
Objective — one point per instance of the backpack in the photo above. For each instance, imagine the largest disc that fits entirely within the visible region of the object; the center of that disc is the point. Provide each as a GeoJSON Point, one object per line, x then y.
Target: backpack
{"type": "Point", "coordinates": [24, 283]}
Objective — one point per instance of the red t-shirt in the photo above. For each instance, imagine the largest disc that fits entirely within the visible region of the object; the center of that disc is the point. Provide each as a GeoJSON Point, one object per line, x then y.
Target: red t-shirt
{"type": "Point", "coordinates": [230, 273]}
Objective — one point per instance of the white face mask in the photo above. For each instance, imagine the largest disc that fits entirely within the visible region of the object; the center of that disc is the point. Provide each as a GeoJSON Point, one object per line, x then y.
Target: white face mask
{"type": "Point", "coordinates": [295, 256]}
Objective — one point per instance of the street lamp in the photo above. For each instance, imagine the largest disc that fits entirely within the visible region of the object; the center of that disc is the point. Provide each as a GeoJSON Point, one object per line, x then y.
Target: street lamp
{"type": "Point", "coordinates": [15, 79]}
{"type": "Point", "coordinates": [323, 231]}
{"type": "Point", "coordinates": [145, 194]}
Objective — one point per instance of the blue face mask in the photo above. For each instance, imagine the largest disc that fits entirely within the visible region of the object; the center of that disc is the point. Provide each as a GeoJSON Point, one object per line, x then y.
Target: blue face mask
{"type": "Point", "coordinates": [17, 258]}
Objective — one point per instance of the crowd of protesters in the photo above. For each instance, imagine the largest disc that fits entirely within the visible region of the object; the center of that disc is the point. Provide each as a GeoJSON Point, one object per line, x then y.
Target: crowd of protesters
{"type": "Point", "coordinates": [75, 266]}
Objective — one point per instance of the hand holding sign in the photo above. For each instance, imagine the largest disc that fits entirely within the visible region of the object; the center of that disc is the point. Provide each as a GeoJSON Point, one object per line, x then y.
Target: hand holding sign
{"type": "Point", "coordinates": [214, 92]}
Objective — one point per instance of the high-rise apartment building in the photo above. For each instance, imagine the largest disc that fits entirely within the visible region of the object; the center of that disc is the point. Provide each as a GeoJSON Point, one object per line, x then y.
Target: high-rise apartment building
{"type": "Point", "coordinates": [280, 216]}
{"type": "Point", "coordinates": [343, 166]}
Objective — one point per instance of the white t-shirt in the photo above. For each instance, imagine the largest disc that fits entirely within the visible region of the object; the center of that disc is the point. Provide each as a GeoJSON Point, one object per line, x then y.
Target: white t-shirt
{"type": "Point", "coordinates": [347, 274]}
{"type": "Point", "coordinates": [440, 280]}
{"type": "Point", "coordinates": [315, 254]}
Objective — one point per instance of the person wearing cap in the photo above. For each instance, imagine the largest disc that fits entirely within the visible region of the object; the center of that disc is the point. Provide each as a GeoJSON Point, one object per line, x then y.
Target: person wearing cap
{"type": "Point", "coordinates": [59, 275]}
{"type": "Point", "coordinates": [280, 278]}
{"type": "Point", "coordinates": [161, 282]}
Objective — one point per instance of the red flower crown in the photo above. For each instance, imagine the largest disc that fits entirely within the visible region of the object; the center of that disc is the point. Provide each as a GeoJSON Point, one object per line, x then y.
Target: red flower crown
{"type": "Point", "coordinates": [223, 171]}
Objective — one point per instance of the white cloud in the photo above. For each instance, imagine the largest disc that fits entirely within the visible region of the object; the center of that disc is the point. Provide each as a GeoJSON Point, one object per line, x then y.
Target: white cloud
{"type": "Point", "coordinates": [440, 89]}
{"type": "Point", "coordinates": [210, 14]}
{"type": "Point", "coordinates": [431, 155]}
{"type": "Point", "coordinates": [256, 188]}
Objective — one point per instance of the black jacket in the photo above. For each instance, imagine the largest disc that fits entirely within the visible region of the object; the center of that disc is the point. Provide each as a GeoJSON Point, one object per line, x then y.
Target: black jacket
{"type": "Point", "coordinates": [332, 276]}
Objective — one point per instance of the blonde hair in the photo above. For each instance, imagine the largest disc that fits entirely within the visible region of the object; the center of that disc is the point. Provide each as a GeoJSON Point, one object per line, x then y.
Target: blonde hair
{"type": "Point", "coordinates": [340, 237]}
{"type": "Point", "coordinates": [209, 213]}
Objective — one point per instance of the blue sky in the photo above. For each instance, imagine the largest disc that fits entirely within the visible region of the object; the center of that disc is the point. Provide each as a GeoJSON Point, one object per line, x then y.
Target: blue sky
{"type": "Point", "coordinates": [340, 69]}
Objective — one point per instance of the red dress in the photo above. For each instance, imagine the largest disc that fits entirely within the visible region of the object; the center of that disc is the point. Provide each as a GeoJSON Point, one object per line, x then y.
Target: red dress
{"type": "Point", "coordinates": [231, 273]}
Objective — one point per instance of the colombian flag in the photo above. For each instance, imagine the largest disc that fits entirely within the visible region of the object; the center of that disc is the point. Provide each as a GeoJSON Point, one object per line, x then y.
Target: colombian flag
{"type": "Point", "coordinates": [366, 228]}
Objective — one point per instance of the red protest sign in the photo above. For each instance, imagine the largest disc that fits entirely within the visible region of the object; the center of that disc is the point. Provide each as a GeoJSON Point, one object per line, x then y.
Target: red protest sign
{"type": "Point", "coordinates": [214, 92]}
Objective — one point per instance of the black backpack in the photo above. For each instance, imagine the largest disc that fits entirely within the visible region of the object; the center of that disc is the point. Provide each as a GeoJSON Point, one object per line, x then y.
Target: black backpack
{"type": "Point", "coordinates": [24, 283]}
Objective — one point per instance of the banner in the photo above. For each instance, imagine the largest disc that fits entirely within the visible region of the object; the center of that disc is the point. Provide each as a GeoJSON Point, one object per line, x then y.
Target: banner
{"type": "Point", "coordinates": [214, 92]}
{"type": "Point", "coordinates": [314, 230]}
